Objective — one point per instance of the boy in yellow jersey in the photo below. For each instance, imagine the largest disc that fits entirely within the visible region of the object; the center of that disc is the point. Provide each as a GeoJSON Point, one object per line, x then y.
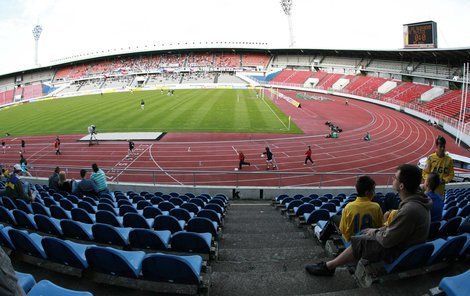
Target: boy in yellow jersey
{"type": "Point", "coordinates": [359, 214]}
{"type": "Point", "coordinates": [441, 164]}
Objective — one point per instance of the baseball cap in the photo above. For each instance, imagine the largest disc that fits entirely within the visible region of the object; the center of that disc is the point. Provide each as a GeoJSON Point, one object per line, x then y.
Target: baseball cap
{"type": "Point", "coordinates": [17, 167]}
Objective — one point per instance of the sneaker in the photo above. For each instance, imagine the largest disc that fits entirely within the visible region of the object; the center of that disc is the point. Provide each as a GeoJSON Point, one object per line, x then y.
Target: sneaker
{"type": "Point", "coordinates": [319, 269]}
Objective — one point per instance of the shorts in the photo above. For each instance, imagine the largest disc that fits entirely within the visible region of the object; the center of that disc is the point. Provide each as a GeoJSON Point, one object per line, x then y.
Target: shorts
{"type": "Point", "coordinates": [367, 247]}
{"type": "Point", "coordinates": [269, 160]}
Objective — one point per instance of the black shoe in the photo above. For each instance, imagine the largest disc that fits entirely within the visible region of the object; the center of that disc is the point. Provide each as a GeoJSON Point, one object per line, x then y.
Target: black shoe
{"type": "Point", "coordinates": [320, 269]}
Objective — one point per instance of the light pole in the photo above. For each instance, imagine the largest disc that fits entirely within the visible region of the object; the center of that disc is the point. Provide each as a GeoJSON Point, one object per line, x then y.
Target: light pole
{"type": "Point", "coordinates": [36, 33]}
{"type": "Point", "coordinates": [286, 6]}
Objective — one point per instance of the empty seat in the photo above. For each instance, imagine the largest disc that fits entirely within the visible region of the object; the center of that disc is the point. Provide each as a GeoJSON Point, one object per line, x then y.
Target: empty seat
{"type": "Point", "coordinates": [23, 205]}
{"type": "Point", "coordinates": [65, 252]}
{"type": "Point", "coordinates": [135, 220]}
{"type": "Point", "coordinates": [211, 214]}
{"type": "Point", "coordinates": [39, 208]}
{"type": "Point", "coordinates": [25, 280]}
{"type": "Point", "coordinates": [317, 215]}
{"type": "Point", "coordinates": [109, 218]}
{"type": "Point", "coordinates": [24, 220]}
{"type": "Point", "coordinates": [150, 239]}
{"type": "Point", "coordinates": [81, 215]}
{"type": "Point", "coordinates": [27, 244]}
{"type": "Point", "coordinates": [59, 213]}
{"type": "Point", "coordinates": [115, 262]}
{"type": "Point", "coordinates": [456, 285]}
{"type": "Point", "coordinates": [77, 230]}
{"type": "Point", "coordinates": [164, 222]}
{"type": "Point", "coordinates": [6, 216]}
{"type": "Point", "coordinates": [48, 225]}
{"type": "Point", "coordinates": [181, 214]}
{"type": "Point", "coordinates": [413, 257]}
{"type": "Point", "coordinates": [111, 235]}
{"type": "Point", "coordinates": [87, 207]}
{"type": "Point", "coordinates": [191, 242]}
{"type": "Point", "coordinates": [152, 212]}
{"type": "Point", "coordinates": [172, 268]}
{"type": "Point", "coordinates": [447, 250]}
{"type": "Point", "coordinates": [192, 207]}
{"type": "Point", "coordinates": [45, 287]}
{"type": "Point", "coordinates": [201, 225]}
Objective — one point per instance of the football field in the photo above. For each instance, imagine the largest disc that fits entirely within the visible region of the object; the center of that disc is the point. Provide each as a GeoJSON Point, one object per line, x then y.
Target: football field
{"type": "Point", "coordinates": [215, 110]}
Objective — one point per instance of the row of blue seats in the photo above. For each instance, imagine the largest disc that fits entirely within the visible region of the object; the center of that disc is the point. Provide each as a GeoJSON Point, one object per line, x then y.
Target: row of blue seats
{"type": "Point", "coordinates": [132, 220]}
{"type": "Point", "coordinates": [198, 236]}
{"type": "Point", "coordinates": [454, 285]}
{"type": "Point", "coordinates": [432, 252]}
{"type": "Point", "coordinates": [28, 283]}
{"type": "Point", "coordinates": [159, 267]}
{"type": "Point", "coordinates": [87, 214]}
{"type": "Point", "coordinates": [129, 238]}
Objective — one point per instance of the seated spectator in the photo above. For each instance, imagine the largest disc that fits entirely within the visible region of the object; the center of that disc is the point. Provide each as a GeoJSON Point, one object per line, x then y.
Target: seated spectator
{"type": "Point", "coordinates": [99, 177]}
{"type": "Point", "coordinates": [64, 185]}
{"type": "Point", "coordinates": [85, 186]}
{"type": "Point", "coordinates": [16, 188]}
{"type": "Point", "coordinates": [357, 215]}
{"type": "Point", "coordinates": [54, 179]}
{"type": "Point", "coordinates": [410, 227]}
{"type": "Point", "coordinates": [430, 185]}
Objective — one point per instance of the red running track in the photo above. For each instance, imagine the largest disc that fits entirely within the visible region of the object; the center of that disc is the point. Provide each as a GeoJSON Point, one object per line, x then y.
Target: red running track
{"type": "Point", "coordinates": [396, 139]}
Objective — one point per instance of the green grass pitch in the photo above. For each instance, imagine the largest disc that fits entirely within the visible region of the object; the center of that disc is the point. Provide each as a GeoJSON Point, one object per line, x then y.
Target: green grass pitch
{"type": "Point", "coordinates": [215, 110]}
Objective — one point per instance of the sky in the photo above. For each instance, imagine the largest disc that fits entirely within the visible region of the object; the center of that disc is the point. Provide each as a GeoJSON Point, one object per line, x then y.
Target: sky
{"type": "Point", "coordinates": [74, 28]}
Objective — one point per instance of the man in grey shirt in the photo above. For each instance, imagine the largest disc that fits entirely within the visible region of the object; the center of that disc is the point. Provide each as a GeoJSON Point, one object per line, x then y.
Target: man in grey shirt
{"type": "Point", "coordinates": [85, 186]}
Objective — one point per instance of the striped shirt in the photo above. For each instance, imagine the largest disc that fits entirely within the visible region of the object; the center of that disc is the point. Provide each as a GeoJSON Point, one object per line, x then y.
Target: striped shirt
{"type": "Point", "coordinates": [100, 179]}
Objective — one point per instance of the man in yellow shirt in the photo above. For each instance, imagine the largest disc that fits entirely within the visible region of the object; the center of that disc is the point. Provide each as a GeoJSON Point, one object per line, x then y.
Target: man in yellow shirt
{"type": "Point", "coordinates": [441, 164]}
{"type": "Point", "coordinates": [359, 214]}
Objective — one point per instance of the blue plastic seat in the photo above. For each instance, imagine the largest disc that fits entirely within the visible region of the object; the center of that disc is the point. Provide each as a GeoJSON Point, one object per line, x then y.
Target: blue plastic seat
{"type": "Point", "coordinates": [199, 202]}
{"type": "Point", "coordinates": [201, 225]}
{"type": "Point", "coordinates": [192, 207]}
{"type": "Point", "coordinates": [174, 194]}
{"type": "Point", "coordinates": [66, 204]}
{"type": "Point", "coordinates": [215, 207]}
{"type": "Point", "coordinates": [77, 230]}
{"type": "Point", "coordinates": [39, 208]}
{"type": "Point", "coordinates": [25, 280]}
{"type": "Point", "coordinates": [45, 287]}
{"type": "Point", "coordinates": [59, 213]}
{"type": "Point", "coordinates": [191, 242]}
{"type": "Point", "coordinates": [217, 202]}
{"type": "Point", "coordinates": [176, 201]}
{"type": "Point", "coordinates": [65, 252]}
{"type": "Point", "coordinates": [304, 208]}
{"type": "Point", "coordinates": [317, 215]}
{"type": "Point", "coordinates": [48, 202]}
{"type": "Point", "coordinates": [6, 216]}
{"type": "Point", "coordinates": [172, 268]}
{"type": "Point", "coordinates": [23, 205]}
{"type": "Point", "coordinates": [124, 209]}
{"type": "Point", "coordinates": [456, 285]}
{"type": "Point", "coordinates": [211, 214]}
{"type": "Point", "coordinates": [413, 257]}
{"type": "Point", "coordinates": [87, 207]}
{"type": "Point", "coordinates": [27, 244]}
{"type": "Point", "coordinates": [24, 220]}
{"type": "Point", "coordinates": [135, 220]}
{"type": "Point", "coordinates": [156, 200]}
{"type": "Point", "coordinates": [8, 203]}
{"type": "Point", "coordinates": [48, 225]}
{"type": "Point", "coordinates": [81, 215]}
{"type": "Point", "coordinates": [166, 206]}
{"type": "Point", "coordinates": [181, 214]}
{"type": "Point", "coordinates": [166, 222]}
{"type": "Point", "coordinates": [449, 228]}
{"type": "Point", "coordinates": [107, 234]}
{"type": "Point", "coordinates": [151, 212]}
{"type": "Point", "coordinates": [5, 240]}
{"type": "Point", "coordinates": [150, 239]}
{"type": "Point", "coordinates": [115, 262]}
{"type": "Point", "coordinates": [142, 204]}
{"type": "Point", "coordinates": [450, 213]}
{"type": "Point", "coordinates": [124, 202]}
{"type": "Point", "coordinates": [447, 250]}
{"type": "Point", "coordinates": [106, 217]}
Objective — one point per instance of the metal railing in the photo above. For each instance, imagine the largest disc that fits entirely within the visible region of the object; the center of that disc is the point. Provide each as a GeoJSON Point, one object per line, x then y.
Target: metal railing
{"type": "Point", "coordinates": [221, 178]}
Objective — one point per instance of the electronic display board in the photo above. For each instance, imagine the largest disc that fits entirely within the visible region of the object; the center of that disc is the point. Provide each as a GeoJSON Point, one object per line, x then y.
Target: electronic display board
{"type": "Point", "coordinates": [420, 35]}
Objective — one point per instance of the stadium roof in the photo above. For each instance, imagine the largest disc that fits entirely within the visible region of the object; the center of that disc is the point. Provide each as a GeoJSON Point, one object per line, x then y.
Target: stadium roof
{"type": "Point", "coordinates": [451, 56]}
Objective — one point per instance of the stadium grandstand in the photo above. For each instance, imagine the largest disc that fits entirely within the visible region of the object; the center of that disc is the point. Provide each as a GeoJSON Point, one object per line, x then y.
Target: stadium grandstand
{"type": "Point", "coordinates": [180, 220]}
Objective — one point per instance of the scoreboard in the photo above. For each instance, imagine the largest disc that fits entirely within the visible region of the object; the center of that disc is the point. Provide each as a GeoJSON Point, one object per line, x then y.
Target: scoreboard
{"type": "Point", "coordinates": [420, 35]}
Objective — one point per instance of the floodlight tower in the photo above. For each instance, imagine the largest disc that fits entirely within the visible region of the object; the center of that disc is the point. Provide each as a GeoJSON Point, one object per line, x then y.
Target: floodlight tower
{"type": "Point", "coordinates": [286, 6]}
{"type": "Point", "coordinates": [36, 33]}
